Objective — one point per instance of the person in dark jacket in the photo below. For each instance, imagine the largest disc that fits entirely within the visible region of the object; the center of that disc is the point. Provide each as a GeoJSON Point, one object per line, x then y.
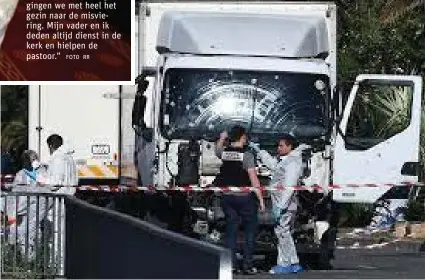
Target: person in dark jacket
{"type": "Point", "coordinates": [237, 170]}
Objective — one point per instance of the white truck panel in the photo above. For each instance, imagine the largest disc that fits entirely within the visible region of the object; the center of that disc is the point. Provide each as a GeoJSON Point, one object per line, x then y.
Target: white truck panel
{"type": "Point", "coordinates": [127, 145]}
{"type": "Point", "coordinates": [247, 34]}
{"type": "Point", "coordinates": [151, 14]}
{"type": "Point", "coordinates": [382, 163]}
{"type": "Point", "coordinates": [151, 23]}
{"type": "Point", "coordinates": [86, 120]}
{"type": "Point", "coordinates": [242, 63]}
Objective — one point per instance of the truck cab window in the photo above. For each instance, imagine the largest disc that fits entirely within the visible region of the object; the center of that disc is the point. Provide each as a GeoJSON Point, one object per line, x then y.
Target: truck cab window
{"type": "Point", "coordinates": [379, 112]}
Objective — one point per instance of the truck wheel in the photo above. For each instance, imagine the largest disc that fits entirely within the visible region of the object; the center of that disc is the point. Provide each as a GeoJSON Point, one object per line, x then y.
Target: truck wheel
{"type": "Point", "coordinates": [269, 260]}
{"type": "Point", "coordinates": [327, 249]}
{"type": "Point", "coordinates": [324, 260]}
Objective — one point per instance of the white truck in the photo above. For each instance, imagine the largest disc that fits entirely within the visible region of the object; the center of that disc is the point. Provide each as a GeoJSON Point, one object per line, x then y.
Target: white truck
{"type": "Point", "coordinates": [207, 66]}
{"type": "Point", "coordinates": [270, 67]}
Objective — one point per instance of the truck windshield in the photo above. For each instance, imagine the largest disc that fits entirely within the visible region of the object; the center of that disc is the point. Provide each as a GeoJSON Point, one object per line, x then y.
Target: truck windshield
{"type": "Point", "coordinates": [200, 103]}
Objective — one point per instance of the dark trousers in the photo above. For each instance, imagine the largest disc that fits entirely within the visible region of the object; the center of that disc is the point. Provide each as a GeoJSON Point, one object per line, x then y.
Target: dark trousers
{"type": "Point", "coordinates": [238, 208]}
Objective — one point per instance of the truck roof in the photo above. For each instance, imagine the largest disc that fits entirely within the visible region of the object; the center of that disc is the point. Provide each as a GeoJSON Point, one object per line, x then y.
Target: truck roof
{"type": "Point", "coordinates": [244, 34]}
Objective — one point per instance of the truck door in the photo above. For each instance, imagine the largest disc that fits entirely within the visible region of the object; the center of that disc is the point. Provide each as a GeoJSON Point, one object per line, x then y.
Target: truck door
{"type": "Point", "coordinates": [379, 137]}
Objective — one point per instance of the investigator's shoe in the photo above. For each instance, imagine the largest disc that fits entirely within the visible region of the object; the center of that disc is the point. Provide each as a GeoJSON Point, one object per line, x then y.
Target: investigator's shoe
{"type": "Point", "coordinates": [250, 271]}
{"type": "Point", "coordinates": [236, 271]}
{"type": "Point", "coordinates": [280, 269]}
{"type": "Point", "coordinates": [296, 268]}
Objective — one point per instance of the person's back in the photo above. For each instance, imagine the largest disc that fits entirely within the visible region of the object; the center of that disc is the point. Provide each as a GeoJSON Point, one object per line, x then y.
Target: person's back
{"type": "Point", "coordinates": [233, 171]}
{"type": "Point", "coordinates": [238, 169]}
{"type": "Point", "coordinates": [62, 170]}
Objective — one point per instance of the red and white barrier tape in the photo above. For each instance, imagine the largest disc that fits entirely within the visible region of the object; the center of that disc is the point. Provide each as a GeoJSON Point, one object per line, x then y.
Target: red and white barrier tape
{"type": "Point", "coordinates": [7, 177]}
{"type": "Point", "coordinates": [212, 188]}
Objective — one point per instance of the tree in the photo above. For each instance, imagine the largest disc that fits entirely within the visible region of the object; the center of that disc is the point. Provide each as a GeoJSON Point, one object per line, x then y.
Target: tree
{"type": "Point", "coordinates": [395, 9]}
{"type": "Point", "coordinates": [370, 44]}
{"type": "Point", "coordinates": [389, 43]}
{"type": "Point", "coordinates": [14, 120]}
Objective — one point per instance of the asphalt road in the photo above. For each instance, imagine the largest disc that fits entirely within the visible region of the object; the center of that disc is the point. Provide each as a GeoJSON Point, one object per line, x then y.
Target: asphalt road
{"type": "Point", "coordinates": [393, 262]}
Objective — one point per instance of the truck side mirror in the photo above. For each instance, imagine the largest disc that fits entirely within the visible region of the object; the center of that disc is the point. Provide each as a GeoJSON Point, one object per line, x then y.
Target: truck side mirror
{"type": "Point", "coordinates": [139, 106]}
{"type": "Point", "coordinates": [138, 112]}
{"type": "Point", "coordinates": [146, 71]}
{"type": "Point", "coordinates": [336, 103]}
{"type": "Point", "coordinates": [147, 134]}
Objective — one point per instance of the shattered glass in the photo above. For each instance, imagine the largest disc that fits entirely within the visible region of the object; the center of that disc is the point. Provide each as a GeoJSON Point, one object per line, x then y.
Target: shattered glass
{"type": "Point", "coordinates": [200, 103]}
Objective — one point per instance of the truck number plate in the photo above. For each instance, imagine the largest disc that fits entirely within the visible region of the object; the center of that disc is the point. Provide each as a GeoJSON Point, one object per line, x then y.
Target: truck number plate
{"type": "Point", "coordinates": [100, 149]}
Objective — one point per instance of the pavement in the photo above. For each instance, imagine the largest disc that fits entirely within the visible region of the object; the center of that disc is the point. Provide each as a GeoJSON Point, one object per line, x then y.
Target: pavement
{"type": "Point", "coordinates": [387, 263]}
{"type": "Point", "coordinates": [367, 257]}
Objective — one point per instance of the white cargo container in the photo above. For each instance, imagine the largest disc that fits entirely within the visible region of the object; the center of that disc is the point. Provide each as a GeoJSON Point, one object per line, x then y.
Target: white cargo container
{"type": "Point", "coordinates": [87, 121]}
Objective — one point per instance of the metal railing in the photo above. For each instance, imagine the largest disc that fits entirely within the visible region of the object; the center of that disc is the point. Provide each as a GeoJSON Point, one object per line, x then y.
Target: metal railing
{"type": "Point", "coordinates": [49, 235]}
{"type": "Point", "coordinates": [32, 233]}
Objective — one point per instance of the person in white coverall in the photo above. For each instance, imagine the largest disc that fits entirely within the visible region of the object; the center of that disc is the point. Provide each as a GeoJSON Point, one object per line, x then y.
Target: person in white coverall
{"type": "Point", "coordinates": [7, 10]}
{"type": "Point", "coordinates": [29, 213]}
{"type": "Point", "coordinates": [62, 172]}
{"type": "Point", "coordinates": [62, 169]}
{"type": "Point", "coordinates": [286, 171]}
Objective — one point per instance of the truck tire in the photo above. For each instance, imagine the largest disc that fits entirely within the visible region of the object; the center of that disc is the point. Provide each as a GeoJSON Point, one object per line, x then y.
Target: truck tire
{"type": "Point", "coordinates": [327, 249]}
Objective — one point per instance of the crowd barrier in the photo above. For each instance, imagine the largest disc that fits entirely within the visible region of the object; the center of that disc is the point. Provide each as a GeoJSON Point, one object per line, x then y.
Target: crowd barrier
{"type": "Point", "coordinates": [105, 244]}
{"type": "Point", "coordinates": [49, 235]}
{"type": "Point", "coordinates": [32, 233]}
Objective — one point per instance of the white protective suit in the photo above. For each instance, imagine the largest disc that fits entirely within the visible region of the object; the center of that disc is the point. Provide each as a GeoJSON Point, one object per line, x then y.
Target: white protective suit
{"type": "Point", "coordinates": [30, 213]}
{"type": "Point", "coordinates": [7, 10]}
{"type": "Point", "coordinates": [62, 171]}
{"type": "Point", "coordinates": [285, 172]}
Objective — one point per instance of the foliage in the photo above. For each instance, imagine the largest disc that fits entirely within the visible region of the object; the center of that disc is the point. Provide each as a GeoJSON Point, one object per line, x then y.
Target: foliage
{"type": "Point", "coordinates": [422, 152]}
{"type": "Point", "coordinates": [381, 111]}
{"type": "Point", "coordinates": [355, 215]}
{"type": "Point", "coordinates": [415, 211]}
{"type": "Point", "coordinates": [14, 266]}
{"type": "Point", "coordinates": [395, 9]}
{"type": "Point", "coordinates": [17, 265]}
{"type": "Point", "coordinates": [380, 36]}
{"type": "Point", "coordinates": [368, 44]}
{"type": "Point", "coordinates": [13, 135]}
{"type": "Point", "coordinates": [14, 120]}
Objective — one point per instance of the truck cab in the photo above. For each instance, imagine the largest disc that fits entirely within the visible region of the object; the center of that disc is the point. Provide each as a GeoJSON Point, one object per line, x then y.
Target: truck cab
{"type": "Point", "coordinates": [260, 80]}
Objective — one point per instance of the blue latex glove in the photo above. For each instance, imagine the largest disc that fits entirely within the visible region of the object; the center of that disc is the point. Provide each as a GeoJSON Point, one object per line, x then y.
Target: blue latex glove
{"type": "Point", "coordinates": [31, 174]}
{"type": "Point", "coordinates": [254, 146]}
